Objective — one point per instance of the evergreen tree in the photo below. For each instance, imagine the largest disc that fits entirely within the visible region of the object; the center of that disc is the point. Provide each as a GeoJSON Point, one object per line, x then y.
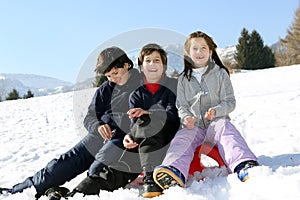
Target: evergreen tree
{"type": "Point", "coordinates": [28, 95]}
{"type": "Point", "coordinates": [99, 80]}
{"type": "Point", "coordinates": [269, 57]}
{"type": "Point", "coordinates": [255, 43]}
{"type": "Point", "coordinates": [251, 52]}
{"type": "Point", "coordinates": [13, 95]}
{"type": "Point", "coordinates": [292, 41]}
{"type": "Point", "coordinates": [242, 50]}
{"type": "Point", "coordinates": [260, 56]}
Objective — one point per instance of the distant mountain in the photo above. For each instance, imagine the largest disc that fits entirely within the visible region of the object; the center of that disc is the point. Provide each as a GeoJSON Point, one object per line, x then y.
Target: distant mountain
{"type": "Point", "coordinates": [276, 47]}
{"type": "Point", "coordinates": [227, 53]}
{"type": "Point", "coordinates": [38, 85]}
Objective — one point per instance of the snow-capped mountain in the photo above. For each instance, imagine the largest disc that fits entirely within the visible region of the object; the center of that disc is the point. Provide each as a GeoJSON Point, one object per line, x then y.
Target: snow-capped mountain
{"type": "Point", "coordinates": [276, 47]}
{"type": "Point", "coordinates": [227, 54]}
{"type": "Point", "coordinates": [37, 84]}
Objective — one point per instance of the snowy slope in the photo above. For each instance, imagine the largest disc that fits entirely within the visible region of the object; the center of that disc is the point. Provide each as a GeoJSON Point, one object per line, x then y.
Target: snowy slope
{"type": "Point", "coordinates": [33, 131]}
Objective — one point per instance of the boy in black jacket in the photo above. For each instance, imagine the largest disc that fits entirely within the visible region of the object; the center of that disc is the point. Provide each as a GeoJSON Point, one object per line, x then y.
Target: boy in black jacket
{"type": "Point", "coordinates": [106, 120]}
{"type": "Point", "coordinates": [154, 114]}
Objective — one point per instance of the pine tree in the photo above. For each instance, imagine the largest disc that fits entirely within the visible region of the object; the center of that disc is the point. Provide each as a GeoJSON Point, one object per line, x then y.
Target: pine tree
{"type": "Point", "coordinates": [269, 57]}
{"type": "Point", "coordinates": [251, 52]}
{"type": "Point", "coordinates": [261, 56]}
{"type": "Point", "coordinates": [242, 50]}
{"type": "Point", "coordinates": [28, 95]}
{"type": "Point", "coordinates": [292, 41]}
{"type": "Point", "coordinates": [13, 95]}
{"type": "Point", "coordinates": [255, 56]}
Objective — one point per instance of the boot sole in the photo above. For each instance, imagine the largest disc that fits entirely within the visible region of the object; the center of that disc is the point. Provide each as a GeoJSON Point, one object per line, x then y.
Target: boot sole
{"type": "Point", "coordinates": [165, 178]}
{"type": "Point", "coordinates": [151, 194]}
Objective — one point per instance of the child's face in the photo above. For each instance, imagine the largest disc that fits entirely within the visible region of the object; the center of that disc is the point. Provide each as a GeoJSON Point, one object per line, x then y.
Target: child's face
{"type": "Point", "coordinates": [152, 67]}
{"type": "Point", "coordinates": [117, 75]}
{"type": "Point", "coordinates": [199, 52]}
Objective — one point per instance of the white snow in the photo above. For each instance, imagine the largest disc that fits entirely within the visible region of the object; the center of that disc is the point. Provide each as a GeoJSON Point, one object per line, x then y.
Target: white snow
{"type": "Point", "coordinates": [34, 131]}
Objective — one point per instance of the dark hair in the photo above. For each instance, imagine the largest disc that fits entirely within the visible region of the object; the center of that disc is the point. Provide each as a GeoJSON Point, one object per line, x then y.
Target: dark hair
{"type": "Point", "coordinates": [189, 64]}
{"type": "Point", "coordinates": [112, 57]}
{"type": "Point", "coordinates": [150, 48]}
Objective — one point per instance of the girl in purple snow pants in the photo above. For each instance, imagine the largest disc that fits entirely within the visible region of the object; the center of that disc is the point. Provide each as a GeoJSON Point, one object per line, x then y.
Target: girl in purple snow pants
{"type": "Point", "coordinates": [205, 98]}
{"type": "Point", "coordinates": [220, 132]}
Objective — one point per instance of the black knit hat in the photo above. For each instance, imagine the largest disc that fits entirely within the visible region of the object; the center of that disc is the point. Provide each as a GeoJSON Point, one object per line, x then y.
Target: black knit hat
{"type": "Point", "coordinates": [112, 57]}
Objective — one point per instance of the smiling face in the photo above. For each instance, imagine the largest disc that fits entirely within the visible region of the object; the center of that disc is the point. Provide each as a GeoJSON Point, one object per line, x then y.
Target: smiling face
{"type": "Point", "coordinates": [152, 67]}
{"type": "Point", "coordinates": [199, 52]}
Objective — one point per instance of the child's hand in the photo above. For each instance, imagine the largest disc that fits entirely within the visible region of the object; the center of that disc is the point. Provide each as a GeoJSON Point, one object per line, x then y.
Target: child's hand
{"type": "Point", "coordinates": [210, 114]}
{"type": "Point", "coordinates": [105, 131]}
{"type": "Point", "coordinates": [129, 143]}
{"type": "Point", "coordinates": [136, 112]}
{"type": "Point", "coordinates": [189, 122]}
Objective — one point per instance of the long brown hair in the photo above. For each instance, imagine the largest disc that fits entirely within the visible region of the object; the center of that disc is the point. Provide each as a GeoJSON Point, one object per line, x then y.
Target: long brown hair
{"type": "Point", "coordinates": [188, 63]}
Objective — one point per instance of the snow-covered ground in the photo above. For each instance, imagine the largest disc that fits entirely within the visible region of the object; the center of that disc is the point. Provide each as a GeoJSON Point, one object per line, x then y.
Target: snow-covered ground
{"type": "Point", "coordinates": [33, 131]}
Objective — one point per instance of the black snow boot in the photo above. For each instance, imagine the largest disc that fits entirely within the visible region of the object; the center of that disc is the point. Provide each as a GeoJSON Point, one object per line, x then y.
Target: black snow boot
{"type": "Point", "coordinates": [56, 193]}
{"type": "Point", "coordinates": [150, 188]}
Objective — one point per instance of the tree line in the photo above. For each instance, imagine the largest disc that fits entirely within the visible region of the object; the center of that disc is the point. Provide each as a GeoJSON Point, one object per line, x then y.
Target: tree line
{"type": "Point", "coordinates": [253, 54]}
{"type": "Point", "coordinates": [14, 95]}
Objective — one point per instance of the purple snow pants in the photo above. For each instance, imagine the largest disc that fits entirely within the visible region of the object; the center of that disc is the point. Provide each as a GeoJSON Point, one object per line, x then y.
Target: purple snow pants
{"type": "Point", "coordinates": [221, 132]}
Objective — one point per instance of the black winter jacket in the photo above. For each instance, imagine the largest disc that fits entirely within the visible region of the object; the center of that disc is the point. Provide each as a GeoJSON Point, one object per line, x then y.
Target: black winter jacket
{"type": "Point", "coordinates": [110, 105]}
{"type": "Point", "coordinates": [161, 105]}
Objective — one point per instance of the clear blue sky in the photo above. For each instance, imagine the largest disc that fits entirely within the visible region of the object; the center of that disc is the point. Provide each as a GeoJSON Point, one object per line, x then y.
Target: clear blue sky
{"type": "Point", "coordinates": [54, 37]}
